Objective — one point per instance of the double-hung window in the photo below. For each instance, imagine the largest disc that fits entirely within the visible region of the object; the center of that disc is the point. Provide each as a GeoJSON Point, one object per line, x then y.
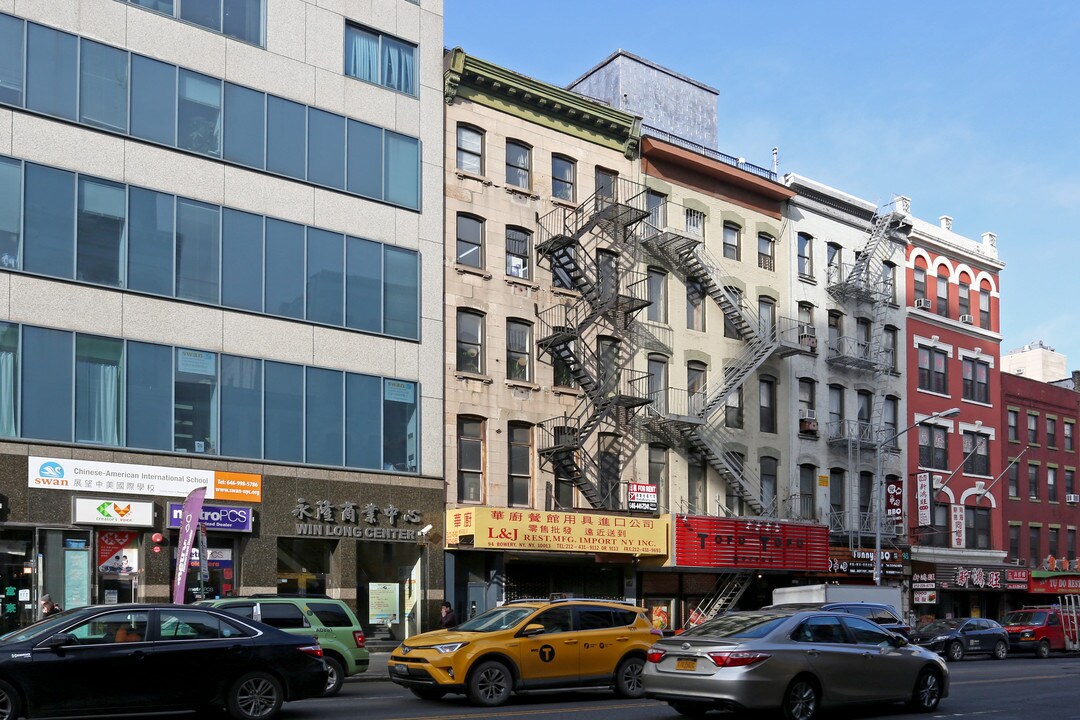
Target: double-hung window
{"type": "Point", "coordinates": [933, 447]}
{"type": "Point", "coordinates": [380, 59]}
{"type": "Point", "coordinates": [470, 342]}
{"type": "Point", "coordinates": [976, 453]}
{"type": "Point", "coordinates": [563, 175]}
{"type": "Point", "coordinates": [518, 165]}
{"type": "Point", "coordinates": [976, 380]}
{"type": "Point", "coordinates": [470, 241]}
{"type": "Point", "coordinates": [470, 149]}
{"type": "Point", "coordinates": [806, 258]}
{"type": "Point", "coordinates": [933, 375]}
{"type": "Point", "coordinates": [518, 251]}
{"type": "Point", "coordinates": [518, 347]}
{"type": "Point", "coordinates": [731, 241]}
{"type": "Point", "coordinates": [766, 247]}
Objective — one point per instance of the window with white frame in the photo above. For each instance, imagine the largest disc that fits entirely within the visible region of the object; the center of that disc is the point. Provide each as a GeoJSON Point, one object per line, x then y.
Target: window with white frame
{"type": "Point", "coordinates": [563, 178]}
{"type": "Point", "coordinates": [766, 251]}
{"type": "Point", "coordinates": [933, 370]}
{"type": "Point", "coordinates": [976, 380]}
{"type": "Point", "coordinates": [806, 257]}
{"type": "Point", "coordinates": [731, 241]}
{"type": "Point", "coordinates": [934, 446]}
{"type": "Point", "coordinates": [470, 458]}
{"type": "Point", "coordinates": [470, 241]}
{"type": "Point", "coordinates": [470, 149]}
{"type": "Point", "coordinates": [695, 222]}
{"type": "Point", "coordinates": [976, 453]}
{"type": "Point", "coordinates": [470, 341]}
{"type": "Point", "coordinates": [518, 350]}
{"type": "Point", "coordinates": [518, 165]}
{"type": "Point", "coordinates": [518, 252]}
{"type": "Point", "coordinates": [519, 453]}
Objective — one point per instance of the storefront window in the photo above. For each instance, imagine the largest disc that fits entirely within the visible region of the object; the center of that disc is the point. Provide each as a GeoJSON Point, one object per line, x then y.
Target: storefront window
{"type": "Point", "coordinates": [220, 578]}
{"type": "Point", "coordinates": [64, 568]}
{"type": "Point", "coordinates": [303, 565]}
{"type": "Point", "coordinates": [118, 566]}
{"type": "Point", "coordinates": [387, 593]}
{"type": "Point", "coordinates": [16, 565]}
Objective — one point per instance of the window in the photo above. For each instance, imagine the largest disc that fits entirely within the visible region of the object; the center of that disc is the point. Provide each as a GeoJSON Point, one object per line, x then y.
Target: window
{"type": "Point", "coordinates": [325, 278]}
{"type": "Point", "coordinates": [731, 241]}
{"type": "Point", "coordinates": [984, 307]}
{"type": "Point", "coordinates": [834, 255]}
{"type": "Point", "coordinates": [920, 283]}
{"type": "Point", "coordinates": [198, 121]}
{"type": "Point", "coordinates": [518, 252]}
{"type": "Point", "coordinates": [1033, 428]}
{"type": "Point", "coordinates": [286, 131]}
{"type": "Point", "coordinates": [1034, 545]}
{"type": "Point", "coordinates": [518, 164]}
{"type": "Point", "coordinates": [697, 470]}
{"type": "Point", "coordinates": [658, 382]}
{"type": "Point", "coordinates": [696, 387]}
{"type": "Point", "coordinates": [943, 293]}
{"type": "Point", "coordinates": [806, 258]}
{"type": "Point", "coordinates": [733, 409]}
{"type": "Point", "coordinates": [48, 221]}
{"type": "Point", "coordinates": [1052, 535]}
{"type": "Point", "coordinates": [866, 491]}
{"type": "Point", "coordinates": [768, 481]}
{"type": "Point", "coordinates": [518, 348]}
{"type": "Point", "coordinates": [100, 233]}
{"type": "Point", "coordinates": [563, 173]}
{"type": "Point", "coordinates": [326, 139]}
{"type": "Point", "coordinates": [11, 181]}
{"type": "Point", "coordinates": [657, 296]}
{"type": "Point", "coordinates": [731, 330]}
{"type": "Point", "coordinates": [1051, 484]}
{"type": "Point", "coordinates": [805, 504]}
{"type": "Point", "coordinates": [519, 449]}
{"type": "Point", "coordinates": [806, 317]}
{"type": "Point", "coordinates": [1014, 421]}
{"type": "Point", "coordinates": [807, 391]}
{"type": "Point", "coordinates": [1014, 542]}
{"type": "Point", "coordinates": [767, 405]}
{"type": "Point", "coordinates": [695, 305]}
{"type": "Point", "coordinates": [51, 77]}
{"type": "Point", "coordinates": [564, 489]}
{"type": "Point", "coordinates": [888, 281]}
{"type": "Point", "coordinates": [241, 406]}
{"type": "Point", "coordinates": [695, 222]}
{"type": "Point", "coordinates": [889, 359]}
{"type": "Point", "coordinates": [324, 421]}
{"type": "Point", "coordinates": [470, 149]}
{"type": "Point", "coordinates": [470, 458]}
{"type": "Point", "coordinates": [862, 338]}
{"type": "Point", "coordinates": [837, 480]}
{"type": "Point", "coordinates": [766, 315]}
{"type": "Point", "coordinates": [470, 241]}
{"type": "Point", "coordinates": [1014, 478]}
{"type": "Point", "coordinates": [9, 372]}
{"type": "Point", "coordinates": [976, 380]}
{"type": "Point", "coordinates": [658, 471]}
{"type": "Point", "coordinates": [103, 86]}
{"type": "Point", "coordinates": [153, 100]}
{"type": "Point", "coordinates": [864, 400]}
{"type": "Point", "coordinates": [605, 181]}
{"type": "Point", "coordinates": [836, 330]}
{"type": "Point", "coordinates": [1033, 481]}
{"type": "Point", "coordinates": [766, 248]}
{"type": "Point", "coordinates": [933, 370]}
{"type": "Point", "coordinates": [470, 342]}
{"type": "Point", "coordinates": [98, 390]}
{"type": "Point", "coordinates": [240, 19]}
{"type": "Point", "coordinates": [380, 59]}
{"type": "Point", "coordinates": [149, 401]}
{"type": "Point", "coordinates": [656, 204]}
{"type": "Point", "coordinates": [940, 530]}
{"type": "Point", "coordinates": [196, 406]}
{"type": "Point", "coordinates": [198, 251]}
{"type": "Point", "coordinates": [562, 374]}
{"type": "Point", "coordinates": [1068, 429]}
{"type": "Point", "coordinates": [891, 419]}
{"type": "Point", "coordinates": [11, 62]}
{"type": "Point", "coordinates": [933, 447]}
{"type": "Point", "coordinates": [963, 296]}
{"type": "Point", "coordinates": [977, 528]}
{"type": "Point", "coordinates": [1051, 432]}
{"type": "Point", "coordinates": [976, 453]}
{"type": "Point", "coordinates": [1070, 488]}
{"type": "Point", "coordinates": [1070, 540]}
{"type": "Point", "coordinates": [245, 132]}
{"type": "Point", "coordinates": [610, 469]}
{"type": "Point", "coordinates": [103, 629]}
{"type": "Point", "coordinates": [836, 408]}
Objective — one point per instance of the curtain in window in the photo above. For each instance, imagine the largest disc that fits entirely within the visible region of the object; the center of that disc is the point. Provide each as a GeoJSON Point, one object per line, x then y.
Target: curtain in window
{"type": "Point", "coordinates": [362, 55]}
{"type": "Point", "coordinates": [99, 397]}
{"type": "Point", "coordinates": [7, 394]}
{"type": "Point", "coordinates": [398, 66]}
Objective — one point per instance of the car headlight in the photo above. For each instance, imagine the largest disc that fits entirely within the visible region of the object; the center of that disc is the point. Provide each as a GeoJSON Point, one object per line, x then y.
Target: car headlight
{"type": "Point", "coordinates": [1027, 635]}
{"type": "Point", "coordinates": [450, 647]}
{"type": "Point", "coordinates": [940, 638]}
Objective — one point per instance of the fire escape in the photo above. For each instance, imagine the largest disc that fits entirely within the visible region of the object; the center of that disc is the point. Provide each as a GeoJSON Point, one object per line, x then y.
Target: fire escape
{"type": "Point", "coordinates": [695, 418]}
{"type": "Point", "coordinates": [865, 290]}
{"type": "Point", "coordinates": [593, 336]}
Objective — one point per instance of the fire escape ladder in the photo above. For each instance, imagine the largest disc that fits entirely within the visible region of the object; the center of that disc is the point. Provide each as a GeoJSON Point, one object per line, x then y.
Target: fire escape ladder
{"type": "Point", "coordinates": [712, 441]}
{"type": "Point", "coordinates": [729, 587]}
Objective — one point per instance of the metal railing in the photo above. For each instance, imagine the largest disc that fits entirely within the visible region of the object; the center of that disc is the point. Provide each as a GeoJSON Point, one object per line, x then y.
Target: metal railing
{"type": "Point", "coordinates": [650, 131]}
{"type": "Point", "coordinates": [859, 430]}
{"type": "Point", "coordinates": [850, 347]}
{"type": "Point", "coordinates": [862, 521]}
{"type": "Point", "coordinates": [802, 507]}
{"type": "Point", "coordinates": [677, 402]}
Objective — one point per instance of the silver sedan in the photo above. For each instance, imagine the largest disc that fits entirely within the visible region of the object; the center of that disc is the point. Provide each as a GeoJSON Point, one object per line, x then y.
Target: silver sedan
{"type": "Point", "coordinates": [799, 662]}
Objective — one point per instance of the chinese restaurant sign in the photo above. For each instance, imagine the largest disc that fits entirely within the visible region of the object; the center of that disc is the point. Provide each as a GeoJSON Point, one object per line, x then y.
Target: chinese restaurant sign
{"type": "Point", "coordinates": [975, 577]}
{"type": "Point", "coordinates": [1043, 581]}
{"type": "Point", "coordinates": [861, 562]}
{"type": "Point", "coordinates": [705, 541]}
{"type": "Point", "coordinates": [503, 529]}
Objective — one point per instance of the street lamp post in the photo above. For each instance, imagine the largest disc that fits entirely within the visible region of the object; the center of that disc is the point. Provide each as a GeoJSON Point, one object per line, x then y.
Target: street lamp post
{"type": "Point", "coordinates": [880, 481]}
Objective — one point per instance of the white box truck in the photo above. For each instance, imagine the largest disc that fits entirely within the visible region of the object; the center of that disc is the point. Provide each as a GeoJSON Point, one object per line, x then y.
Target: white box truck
{"type": "Point", "coordinates": [839, 593]}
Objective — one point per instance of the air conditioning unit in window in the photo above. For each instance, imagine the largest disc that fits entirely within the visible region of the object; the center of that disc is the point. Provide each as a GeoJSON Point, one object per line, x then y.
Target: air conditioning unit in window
{"type": "Point", "coordinates": [807, 330]}
{"type": "Point", "coordinates": [923, 304]}
{"type": "Point", "coordinates": [805, 414]}
{"type": "Point", "coordinates": [967, 319]}
{"type": "Point", "coordinates": [808, 336]}
{"type": "Point", "coordinates": [1072, 498]}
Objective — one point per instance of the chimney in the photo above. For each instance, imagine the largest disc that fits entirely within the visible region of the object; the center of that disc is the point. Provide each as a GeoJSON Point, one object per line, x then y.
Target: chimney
{"type": "Point", "coordinates": [990, 239]}
{"type": "Point", "coordinates": [946, 222]}
{"type": "Point", "coordinates": [1076, 380]}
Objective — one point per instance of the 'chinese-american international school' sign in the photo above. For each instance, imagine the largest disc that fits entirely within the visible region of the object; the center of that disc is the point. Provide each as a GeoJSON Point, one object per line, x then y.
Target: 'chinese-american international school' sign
{"type": "Point", "coordinates": [502, 529]}
{"type": "Point", "coordinates": [89, 476]}
{"type": "Point", "coordinates": [707, 541]}
{"type": "Point", "coordinates": [112, 511]}
{"type": "Point", "coordinates": [215, 517]}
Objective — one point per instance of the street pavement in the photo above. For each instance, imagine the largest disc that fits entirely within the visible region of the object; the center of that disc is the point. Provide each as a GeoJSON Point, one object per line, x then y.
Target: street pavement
{"type": "Point", "coordinates": [376, 668]}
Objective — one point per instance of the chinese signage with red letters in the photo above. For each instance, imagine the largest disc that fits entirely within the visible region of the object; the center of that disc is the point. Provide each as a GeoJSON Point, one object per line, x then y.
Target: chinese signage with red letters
{"type": "Point", "coordinates": [510, 529]}
{"type": "Point", "coordinates": [957, 528]}
{"type": "Point", "coordinates": [641, 496]}
{"type": "Point", "coordinates": [705, 541]}
{"type": "Point", "coordinates": [894, 499]}
{"type": "Point", "coordinates": [978, 577]}
{"type": "Point", "coordinates": [922, 497]}
{"type": "Point", "coordinates": [1052, 582]}
{"type": "Point", "coordinates": [861, 562]}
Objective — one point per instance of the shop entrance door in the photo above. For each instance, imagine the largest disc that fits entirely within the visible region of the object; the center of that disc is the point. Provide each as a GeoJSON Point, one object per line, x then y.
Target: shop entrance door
{"type": "Point", "coordinates": [301, 583]}
{"type": "Point", "coordinates": [16, 578]}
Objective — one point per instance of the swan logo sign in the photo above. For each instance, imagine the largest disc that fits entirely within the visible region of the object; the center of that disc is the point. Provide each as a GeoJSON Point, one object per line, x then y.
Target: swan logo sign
{"type": "Point", "coordinates": [114, 478]}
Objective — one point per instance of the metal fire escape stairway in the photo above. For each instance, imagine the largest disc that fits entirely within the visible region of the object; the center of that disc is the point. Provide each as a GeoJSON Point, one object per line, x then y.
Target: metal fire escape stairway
{"type": "Point", "coordinates": [587, 246]}
{"type": "Point", "coordinates": [865, 284]}
{"type": "Point", "coordinates": [729, 587]}
{"type": "Point", "coordinates": [685, 254]}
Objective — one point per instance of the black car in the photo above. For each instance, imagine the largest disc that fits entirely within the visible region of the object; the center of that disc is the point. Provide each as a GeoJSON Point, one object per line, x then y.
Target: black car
{"type": "Point", "coordinates": [879, 613]}
{"type": "Point", "coordinates": [956, 637]}
{"type": "Point", "coordinates": [116, 659]}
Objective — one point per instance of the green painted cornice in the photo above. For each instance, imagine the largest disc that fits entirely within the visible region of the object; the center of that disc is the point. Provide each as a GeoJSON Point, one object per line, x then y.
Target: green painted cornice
{"type": "Point", "coordinates": [538, 102]}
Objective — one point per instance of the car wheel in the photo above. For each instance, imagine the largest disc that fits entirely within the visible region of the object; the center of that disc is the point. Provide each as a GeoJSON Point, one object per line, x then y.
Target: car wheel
{"type": "Point", "coordinates": [428, 693]}
{"type": "Point", "coordinates": [628, 678]}
{"type": "Point", "coordinates": [1042, 650]}
{"type": "Point", "coordinates": [927, 692]}
{"type": "Point", "coordinates": [9, 702]}
{"type": "Point", "coordinates": [955, 652]}
{"type": "Point", "coordinates": [690, 709]}
{"type": "Point", "coordinates": [255, 696]}
{"type": "Point", "coordinates": [334, 677]}
{"type": "Point", "coordinates": [490, 684]}
{"type": "Point", "coordinates": [801, 699]}
{"type": "Point", "coordinates": [1001, 649]}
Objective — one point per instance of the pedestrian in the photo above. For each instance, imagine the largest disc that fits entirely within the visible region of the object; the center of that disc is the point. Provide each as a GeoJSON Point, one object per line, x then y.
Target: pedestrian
{"type": "Point", "coordinates": [48, 607]}
{"type": "Point", "coordinates": [449, 618]}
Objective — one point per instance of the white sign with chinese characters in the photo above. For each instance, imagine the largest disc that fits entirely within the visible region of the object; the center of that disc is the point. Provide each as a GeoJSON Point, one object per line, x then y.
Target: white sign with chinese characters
{"type": "Point", "coordinates": [957, 529]}
{"type": "Point", "coordinates": [922, 497]}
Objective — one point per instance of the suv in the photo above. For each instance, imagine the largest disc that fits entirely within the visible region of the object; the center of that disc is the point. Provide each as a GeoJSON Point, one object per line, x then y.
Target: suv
{"type": "Point", "coordinates": [880, 613]}
{"type": "Point", "coordinates": [330, 620]}
{"type": "Point", "coordinates": [1035, 629]}
{"type": "Point", "coordinates": [528, 645]}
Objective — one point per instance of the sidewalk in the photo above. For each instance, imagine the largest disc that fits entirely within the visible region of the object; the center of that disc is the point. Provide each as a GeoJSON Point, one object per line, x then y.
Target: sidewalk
{"type": "Point", "coordinates": [376, 668]}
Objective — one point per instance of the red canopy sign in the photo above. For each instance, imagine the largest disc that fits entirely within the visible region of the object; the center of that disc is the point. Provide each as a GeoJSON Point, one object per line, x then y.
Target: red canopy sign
{"type": "Point", "coordinates": [704, 541]}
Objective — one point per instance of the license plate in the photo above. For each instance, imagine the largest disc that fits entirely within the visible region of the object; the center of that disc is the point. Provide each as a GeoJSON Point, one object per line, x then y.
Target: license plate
{"type": "Point", "coordinates": [401, 669]}
{"type": "Point", "coordinates": [685, 664]}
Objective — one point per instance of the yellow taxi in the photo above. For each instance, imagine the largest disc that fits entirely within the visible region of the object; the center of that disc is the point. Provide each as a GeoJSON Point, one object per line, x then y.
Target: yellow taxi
{"type": "Point", "coordinates": [529, 645]}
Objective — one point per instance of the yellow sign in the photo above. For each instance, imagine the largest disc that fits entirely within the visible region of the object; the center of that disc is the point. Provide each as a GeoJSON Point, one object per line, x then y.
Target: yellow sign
{"type": "Point", "coordinates": [511, 529]}
{"type": "Point", "coordinates": [823, 480]}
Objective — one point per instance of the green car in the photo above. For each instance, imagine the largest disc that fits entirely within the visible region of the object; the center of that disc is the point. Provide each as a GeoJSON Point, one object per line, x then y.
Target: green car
{"type": "Point", "coordinates": [330, 620]}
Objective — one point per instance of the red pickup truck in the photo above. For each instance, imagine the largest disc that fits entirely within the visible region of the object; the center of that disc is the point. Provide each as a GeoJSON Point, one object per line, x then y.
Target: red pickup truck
{"type": "Point", "coordinates": [1035, 629]}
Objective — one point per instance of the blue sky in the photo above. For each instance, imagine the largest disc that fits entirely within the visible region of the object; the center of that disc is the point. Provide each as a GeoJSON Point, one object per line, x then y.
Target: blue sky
{"type": "Point", "coordinates": [970, 108]}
